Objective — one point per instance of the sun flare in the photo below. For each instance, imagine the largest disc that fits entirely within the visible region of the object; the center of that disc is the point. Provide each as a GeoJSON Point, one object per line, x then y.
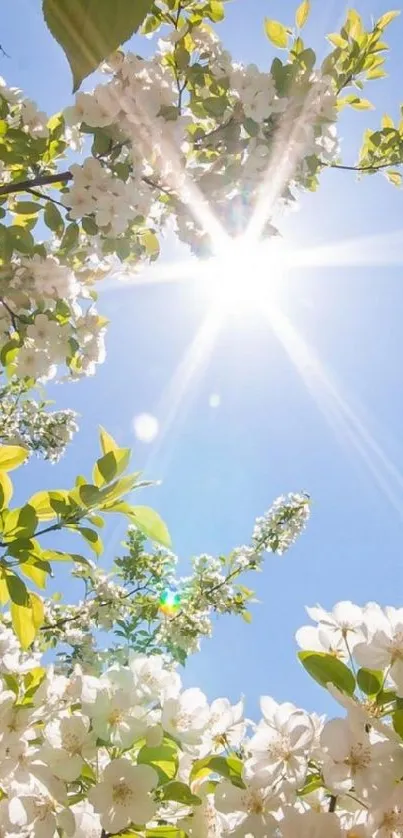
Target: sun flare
{"type": "Point", "coordinates": [244, 274]}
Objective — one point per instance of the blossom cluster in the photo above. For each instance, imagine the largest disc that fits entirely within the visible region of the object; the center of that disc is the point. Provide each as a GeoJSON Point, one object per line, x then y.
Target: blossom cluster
{"type": "Point", "coordinates": [132, 749]}
{"type": "Point", "coordinates": [26, 422]}
{"type": "Point", "coordinates": [196, 132]}
{"type": "Point", "coordinates": [127, 600]}
{"type": "Point", "coordinates": [42, 323]}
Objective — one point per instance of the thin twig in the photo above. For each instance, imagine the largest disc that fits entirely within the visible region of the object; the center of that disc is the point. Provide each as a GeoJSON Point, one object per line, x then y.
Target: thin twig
{"type": "Point", "coordinates": [361, 168]}
{"type": "Point", "coordinates": [13, 315]}
{"type": "Point", "coordinates": [46, 197]}
{"type": "Point", "coordinates": [332, 803]}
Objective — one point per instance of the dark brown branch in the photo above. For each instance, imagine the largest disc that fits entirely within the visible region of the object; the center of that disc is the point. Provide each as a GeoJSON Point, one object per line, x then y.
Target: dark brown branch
{"type": "Point", "coordinates": [332, 803]}
{"type": "Point", "coordinates": [41, 180]}
{"type": "Point", "coordinates": [63, 177]}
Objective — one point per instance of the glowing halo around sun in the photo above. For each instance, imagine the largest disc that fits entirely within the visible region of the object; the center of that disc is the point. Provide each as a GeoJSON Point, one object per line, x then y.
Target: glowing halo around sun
{"type": "Point", "coordinates": [243, 275]}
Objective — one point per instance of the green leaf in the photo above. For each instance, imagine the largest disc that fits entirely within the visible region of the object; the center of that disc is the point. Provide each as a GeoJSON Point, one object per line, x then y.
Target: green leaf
{"type": "Point", "coordinates": [229, 767]}
{"type": "Point", "coordinates": [111, 465]}
{"type": "Point", "coordinates": [302, 13]}
{"type": "Point", "coordinates": [397, 721]}
{"type": "Point", "coordinates": [53, 218]}
{"type": "Point", "coordinates": [107, 441]}
{"type": "Point", "coordinates": [164, 759]}
{"type": "Point", "coordinates": [89, 226]}
{"type": "Point", "coordinates": [44, 504]}
{"type": "Point", "coordinates": [91, 537]}
{"type": "Point", "coordinates": [387, 18]}
{"type": "Point", "coordinates": [26, 208]}
{"type": "Point", "coordinates": [181, 793]}
{"type": "Point", "coordinates": [117, 489]}
{"type": "Point", "coordinates": [90, 30]}
{"type": "Point", "coordinates": [33, 680]}
{"type": "Point", "coordinates": [276, 33]}
{"type": "Point", "coordinates": [312, 783]}
{"type": "Point", "coordinates": [71, 235]}
{"type": "Point", "coordinates": [149, 522]}
{"type": "Point", "coordinates": [17, 589]}
{"type": "Point", "coordinates": [326, 669]}
{"type": "Point", "coordinates": [89, 495]}
{"type": "Point", "coordinates": [12, 456]}
{"type": "Point", "coordinates": [215, 105]}
{"type": "Point", "coordinates": [370, 681]}
{"type": "Point", "coordinates": [20, 522]}
{"type": "Point", "coordinates": [21, 239]}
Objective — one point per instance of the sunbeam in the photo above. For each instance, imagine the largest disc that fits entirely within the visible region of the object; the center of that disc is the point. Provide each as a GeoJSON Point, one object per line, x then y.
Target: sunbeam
{"type": "Point", "coordinates": [179, 393]}
{"type": "Point", "coordinates": [340, 415]}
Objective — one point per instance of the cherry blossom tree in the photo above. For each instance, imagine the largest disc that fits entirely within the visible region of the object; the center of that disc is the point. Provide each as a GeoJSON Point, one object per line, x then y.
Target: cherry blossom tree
{"type": "Point", "coordinates": [104, 740]}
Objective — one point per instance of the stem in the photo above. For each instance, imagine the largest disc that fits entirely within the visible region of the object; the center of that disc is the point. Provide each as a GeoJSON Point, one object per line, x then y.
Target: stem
{"type": "Point", "coordinates": [46, 197]}
{"type": "Point", "coordinates": [350, 656]}
{"type": "Point", "coordinates": [13, 316]}
{"type": "Point", "coordinates": [332, 803]}
{"type": "Point", "coordinates": [361, 168]}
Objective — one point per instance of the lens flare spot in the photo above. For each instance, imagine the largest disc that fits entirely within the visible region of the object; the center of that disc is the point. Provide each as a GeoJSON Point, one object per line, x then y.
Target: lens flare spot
{"type": "Point", "coordinates": [214, 400]}
{"type": "Point", "coordinates": [170, 602]}
{"type": "Point", "coordinates": [145, 427]}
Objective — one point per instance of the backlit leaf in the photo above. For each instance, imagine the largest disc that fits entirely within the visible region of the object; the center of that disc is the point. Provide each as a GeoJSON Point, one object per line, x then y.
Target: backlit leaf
{"type": "Point", "coordinates": [276, 33]}
{"type": "Point", "coordinates": [12, 456]}
{"type": "Point", "coordinates": [302, 13]}
{"type": "Point", "coordinates": [151, 524]}
{"type": "Point", "coordinates": [90, 30]}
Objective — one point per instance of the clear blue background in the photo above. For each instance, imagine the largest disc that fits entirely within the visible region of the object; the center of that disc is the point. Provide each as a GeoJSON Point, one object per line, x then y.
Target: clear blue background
{"type": "Point", "coordinates": [221, 467]}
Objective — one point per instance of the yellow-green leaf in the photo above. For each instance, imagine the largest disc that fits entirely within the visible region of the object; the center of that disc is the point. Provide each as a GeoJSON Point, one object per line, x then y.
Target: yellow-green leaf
{"type": "Point", "coordinates": [302, 13]}
{"type": "Point", "coordinates": [276, 33]}
{"type": "Point", "coordinates": [387, 121]}
{"type": "Point", "coordinates": [23, 624]}
{"type": "Point", "coordinates": [92, 538]}
{"type": "Point", "coordinates": [394, 177]}
{"type": "Point", "coordinates": [357, 103]}
{"type": "Point", "coordinates": [34, 571]}
{"type": "Point", "coordinates": [387, 18]}
{"type": "Point", "coordinates": [4, 593]}
{"type": "Point", "coordinates": [107, 441]}
{"type": "Point", "coordinates": [26, 208]}
{"type": "Point", "coordinates": [337, 40]}
{"type": "Point", "coordinates": [38, 611]}
{"type": "Point", "coordinates": [151, 524]}
{"type": "Point", "coordinates": [111, 465]}
{"type": "Point", "coordinates": [6, 490]}
{"type": "Point", "coordinates": [90, 30]}
{"type": "Point", "coordinates": [40, 501]}
{"type": "Point", "coordinates": [12, 456]}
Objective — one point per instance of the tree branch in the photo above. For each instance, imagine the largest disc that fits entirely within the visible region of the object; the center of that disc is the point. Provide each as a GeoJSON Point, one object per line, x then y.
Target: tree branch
{"type": "Point", "coordinates": [375, 168]}
{"type": "Point", "coordinates": [41, 180]}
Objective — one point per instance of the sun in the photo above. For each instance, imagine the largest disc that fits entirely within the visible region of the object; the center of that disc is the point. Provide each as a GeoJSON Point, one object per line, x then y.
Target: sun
{"type": "Point", "coordinates": [244, 274]}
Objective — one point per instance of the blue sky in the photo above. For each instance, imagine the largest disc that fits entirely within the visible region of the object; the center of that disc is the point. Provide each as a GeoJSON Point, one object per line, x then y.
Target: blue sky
{"type": "Point", "coordinates": [223, 466]}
